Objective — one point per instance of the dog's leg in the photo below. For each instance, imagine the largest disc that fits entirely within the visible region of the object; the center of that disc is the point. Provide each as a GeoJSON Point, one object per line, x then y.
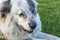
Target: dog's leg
{"type": "Point", "coordinates": [41, 35]}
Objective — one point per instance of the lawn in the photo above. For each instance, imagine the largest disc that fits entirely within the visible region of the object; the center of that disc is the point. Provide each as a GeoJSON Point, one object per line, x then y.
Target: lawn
{"type": "Point", "coordinates": [49, 11]}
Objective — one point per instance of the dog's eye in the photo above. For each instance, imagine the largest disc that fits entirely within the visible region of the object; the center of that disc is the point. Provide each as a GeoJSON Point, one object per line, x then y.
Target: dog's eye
{"type": "Point", "coordinates": [21, 14]}
{"type": "Point", "coordinates": [33, 11]}
{"type": "Point", "coordinates": [3, 15]}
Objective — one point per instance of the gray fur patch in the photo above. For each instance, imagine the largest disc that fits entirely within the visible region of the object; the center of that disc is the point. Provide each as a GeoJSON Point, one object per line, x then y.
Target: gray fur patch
{"type": "Point", "coordinates": [6, 8]}
{"type": "Point", "coordinates": [32, 6]}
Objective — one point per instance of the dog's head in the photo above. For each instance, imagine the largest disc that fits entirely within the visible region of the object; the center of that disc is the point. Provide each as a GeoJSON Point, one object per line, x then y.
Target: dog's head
{"type": "Point", "coordinates": [21, 12]}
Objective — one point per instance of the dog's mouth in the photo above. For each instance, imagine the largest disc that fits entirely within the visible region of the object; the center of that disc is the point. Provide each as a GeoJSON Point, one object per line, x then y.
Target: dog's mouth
{"type": "Point", "coordinates": [20, 27]}
{"type": "Point", "coordinates": [29, 31]}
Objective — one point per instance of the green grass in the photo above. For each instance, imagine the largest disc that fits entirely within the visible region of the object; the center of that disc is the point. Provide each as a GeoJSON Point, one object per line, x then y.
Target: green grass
{"type": "Point", "coordinates": [2, 39]}
{"type": "Point", "coordinates": [49, 11]}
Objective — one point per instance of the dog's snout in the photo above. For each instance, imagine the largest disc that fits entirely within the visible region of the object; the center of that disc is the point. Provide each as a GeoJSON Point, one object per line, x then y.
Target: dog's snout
{"type": "Point", "coordinates": [32, 25]}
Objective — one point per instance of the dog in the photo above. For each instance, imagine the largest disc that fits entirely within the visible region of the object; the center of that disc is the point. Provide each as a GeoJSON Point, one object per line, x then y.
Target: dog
{"type": "Point", "coordinates": [19, 20]}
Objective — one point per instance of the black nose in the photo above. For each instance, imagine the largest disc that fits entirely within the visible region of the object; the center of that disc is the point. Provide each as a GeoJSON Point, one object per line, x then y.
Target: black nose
{"type": "Point", "coordinates": [32, 25]}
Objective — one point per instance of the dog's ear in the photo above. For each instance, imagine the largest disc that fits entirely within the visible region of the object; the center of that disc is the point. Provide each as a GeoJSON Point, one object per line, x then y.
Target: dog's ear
{"type": "Point", "coordinates": [6, 8]}
{"type": "Point", "coordinates": [31, 3]}
{"type": "Point", "coordinates": [32, 6]}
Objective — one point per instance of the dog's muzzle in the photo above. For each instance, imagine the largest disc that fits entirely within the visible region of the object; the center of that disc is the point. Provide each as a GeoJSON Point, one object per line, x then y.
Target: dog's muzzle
{"type": "Point", "coordinates": [32, 25]}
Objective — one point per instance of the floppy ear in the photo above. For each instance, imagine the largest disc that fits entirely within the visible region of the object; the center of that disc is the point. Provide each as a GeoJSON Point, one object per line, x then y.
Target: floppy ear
{"type": "Point", "coordinates": [32, 5]}
{"type": "Point", "coordinates": [6, 8]}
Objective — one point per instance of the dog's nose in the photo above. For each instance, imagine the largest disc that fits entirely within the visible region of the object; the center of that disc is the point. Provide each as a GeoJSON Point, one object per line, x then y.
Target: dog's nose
{"type": "Point", "coordinates": [32, 25]}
